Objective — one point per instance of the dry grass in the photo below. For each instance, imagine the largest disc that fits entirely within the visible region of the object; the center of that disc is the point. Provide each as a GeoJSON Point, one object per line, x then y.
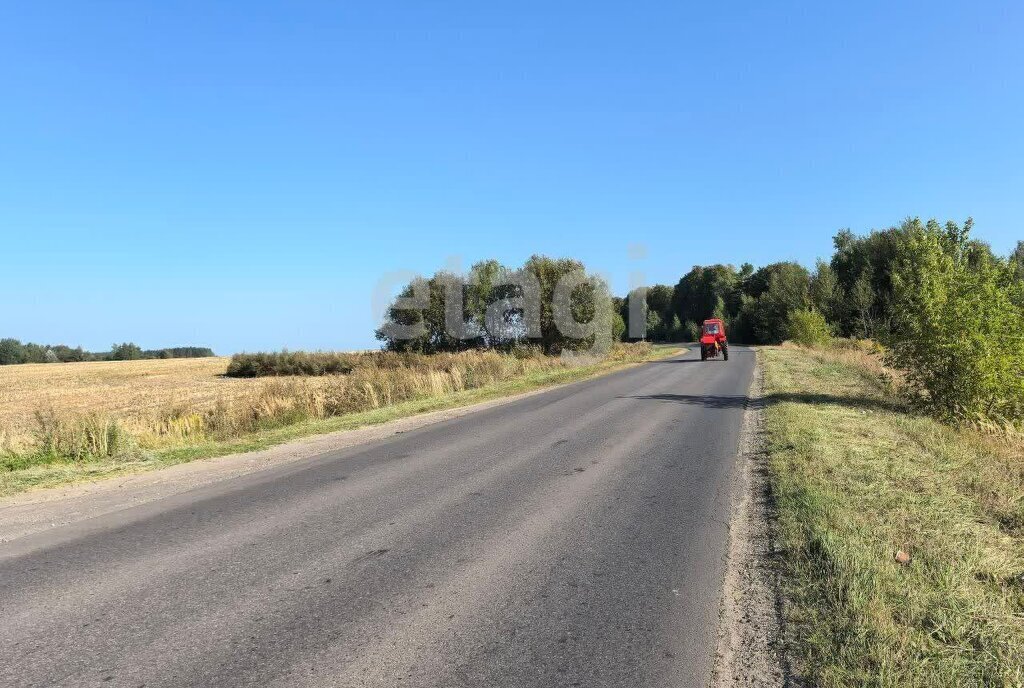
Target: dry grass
{"type": "Point", "coordinates": [123, 389]}
{"type": "Point", "coordinates": [857, 478]}
{"type": "Point", "coordinates": [130, 412]}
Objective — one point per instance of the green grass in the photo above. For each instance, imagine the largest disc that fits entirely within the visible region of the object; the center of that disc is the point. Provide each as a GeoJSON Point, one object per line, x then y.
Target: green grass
{"type": "Point", "coordinates": [25, 473]}
{"type": "Point", "coordinates": [856, 478]}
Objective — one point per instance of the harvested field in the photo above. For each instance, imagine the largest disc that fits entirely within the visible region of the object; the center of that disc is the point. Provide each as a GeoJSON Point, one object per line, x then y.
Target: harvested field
{"type": "Point", "coordinates": [61, 422]}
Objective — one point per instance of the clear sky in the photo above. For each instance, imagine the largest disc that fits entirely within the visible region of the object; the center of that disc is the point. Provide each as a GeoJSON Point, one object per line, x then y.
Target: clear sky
{"type": "Point", "coordinates": [242, 175]}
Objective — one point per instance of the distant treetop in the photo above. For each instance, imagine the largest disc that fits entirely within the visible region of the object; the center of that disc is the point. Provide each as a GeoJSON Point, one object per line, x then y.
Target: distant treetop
{"type": "Point", "coordinates": [12, 352]}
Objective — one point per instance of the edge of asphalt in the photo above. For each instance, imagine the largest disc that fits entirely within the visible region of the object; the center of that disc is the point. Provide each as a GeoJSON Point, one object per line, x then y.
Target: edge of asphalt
{"type": "Point", "coordinates": [750, 644]}
{"type": "Point", "coordinates": [751, 647]}
{"type": "Point", "coordinates": [34, 511]}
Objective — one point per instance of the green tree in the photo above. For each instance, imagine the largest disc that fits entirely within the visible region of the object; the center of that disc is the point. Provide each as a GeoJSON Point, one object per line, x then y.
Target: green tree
{"type": "Point", "coordinates": [128, 351]}
{"type": "Point", "coordinates": [957, 330]}
{"type": "Point", "coordinates": [873, 255]}
{"type": "Point", "coordinates": [654, 331]}
{"type": "Point", "coordinates": [772, 293]}
{"type": "Point", "coordinates": [428, 326]}
{"type": "Point", "coordinates": [618, 326]}
{"type": "Point", "coordinates": [659, 300]}
{"type": "Point", "coordinates": [861, 299]}
{"type": "Point", "coordinates": [450, 313]}
{"type": "Point", "coordinates": [67, 354]}
{"type": "Point", "coordinates": [719, 310]}
{"type": "Point", "coordinates": [11, 352]}
{"type": "Point", "coordinates": [674, 332]}
{"type": "Point", "coordinates": [33, 353]}
{"type": "Point", "coordinates": [824, 290]}
{"type": "Point", "coordinates": [485, 287]}
{"type": "Point", "coordinates": [1017, 259]}
{"type": "Point", "coordinates": [697, 293]}
{"type": "Point", "coordinates": [589, 303]}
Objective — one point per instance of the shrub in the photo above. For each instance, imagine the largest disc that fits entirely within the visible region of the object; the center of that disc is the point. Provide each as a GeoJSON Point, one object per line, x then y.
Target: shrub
{"type": "Point", "coordinates": [808, 328]}
{"type": "Point", "coordinates": [291, 363]}
{"type": "Point", "coordinates": [957, 332]}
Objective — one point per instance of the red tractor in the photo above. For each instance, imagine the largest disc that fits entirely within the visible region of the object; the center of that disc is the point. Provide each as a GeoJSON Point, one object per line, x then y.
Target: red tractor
{"type": "Point", "coordinates": [712, 340]}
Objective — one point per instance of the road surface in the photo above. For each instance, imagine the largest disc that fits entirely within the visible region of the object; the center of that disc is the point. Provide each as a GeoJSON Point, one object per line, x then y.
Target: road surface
{"type": "Point", "coordinates": [571, 538]}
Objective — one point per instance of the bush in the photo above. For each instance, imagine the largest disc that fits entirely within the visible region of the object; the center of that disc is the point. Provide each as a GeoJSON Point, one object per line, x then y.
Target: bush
{"type": "Point", "coordinates": [808, 328]}
{"type": "Point", "coordinates": [291, 363]}
{"type": "Point", "coordinates": [957, 330]}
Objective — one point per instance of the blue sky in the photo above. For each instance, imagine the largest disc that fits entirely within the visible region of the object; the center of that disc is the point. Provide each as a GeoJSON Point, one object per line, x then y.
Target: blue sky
{"type": "Point", "coordinates": [242, 175]}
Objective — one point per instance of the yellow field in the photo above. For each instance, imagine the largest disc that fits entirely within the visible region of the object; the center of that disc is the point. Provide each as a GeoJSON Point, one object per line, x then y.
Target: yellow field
{"type": "Point", "coordinates": [161, 402]}
{"type": "Point", "coordinates": [65, 422]}
{"type": "Point", "coordinates": [119, 410]}
{"type": "Point", "coordinates": [125, 389]}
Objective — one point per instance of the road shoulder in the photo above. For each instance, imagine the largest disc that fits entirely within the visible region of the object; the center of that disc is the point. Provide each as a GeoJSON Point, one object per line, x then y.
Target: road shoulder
{"type": "Point", "coordinates": [750, 642]}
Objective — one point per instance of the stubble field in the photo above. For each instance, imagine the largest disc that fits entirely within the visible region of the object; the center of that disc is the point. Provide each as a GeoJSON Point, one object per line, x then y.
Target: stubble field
{"type": "Point", "coordinates": [65, 422]}
{"type": "Point", "coordinates": [132, 391]}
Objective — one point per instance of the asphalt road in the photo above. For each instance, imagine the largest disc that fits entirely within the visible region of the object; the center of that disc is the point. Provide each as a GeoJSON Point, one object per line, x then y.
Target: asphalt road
{"type": "Point", "coordinates": [572, 538]}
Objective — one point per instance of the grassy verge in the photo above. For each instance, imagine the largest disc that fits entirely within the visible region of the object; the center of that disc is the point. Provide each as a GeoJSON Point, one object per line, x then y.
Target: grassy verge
{"type": "Point", "coordinates": [24, 472]}
{"type": "Point", "coordinates": [857, 479]}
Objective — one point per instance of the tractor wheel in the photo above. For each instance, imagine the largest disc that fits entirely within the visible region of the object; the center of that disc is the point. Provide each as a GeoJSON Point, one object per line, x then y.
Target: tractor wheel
{"type": "Point", "coordinates": [725, 352]}
{"type": "Point", "coordinates": [703, 353]}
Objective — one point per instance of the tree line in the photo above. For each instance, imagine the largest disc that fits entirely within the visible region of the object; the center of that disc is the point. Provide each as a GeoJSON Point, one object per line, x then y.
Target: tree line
{"type": "Point", "coordinates": [13, 351]}
{"type": "Point", "coordinates": [949, 311]}
{"type": "Point", "coordinates": [554, 304]}
{"type": "Point", "coordinates": [854, 292]}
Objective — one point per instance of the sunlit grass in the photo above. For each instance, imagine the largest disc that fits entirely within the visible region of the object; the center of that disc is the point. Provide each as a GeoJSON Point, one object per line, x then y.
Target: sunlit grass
{"type": "Point", "coordinates": [857, 478]}
{"type": "Point", "coordinates": [117, 438]}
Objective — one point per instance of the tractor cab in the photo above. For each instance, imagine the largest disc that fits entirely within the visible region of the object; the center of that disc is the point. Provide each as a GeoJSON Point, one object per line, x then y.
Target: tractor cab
{"type": "Point", "coordinates": [713, 340]}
